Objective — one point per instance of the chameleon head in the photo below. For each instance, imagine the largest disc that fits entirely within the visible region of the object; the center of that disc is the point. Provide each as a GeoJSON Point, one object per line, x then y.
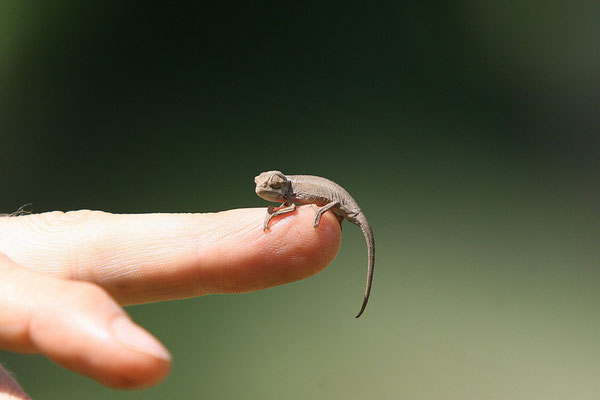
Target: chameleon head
{"type": "Point", "coordinates": [272, 186]}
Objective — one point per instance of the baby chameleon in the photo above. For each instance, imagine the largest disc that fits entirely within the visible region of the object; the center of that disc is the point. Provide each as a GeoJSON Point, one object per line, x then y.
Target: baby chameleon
{"type": "Point", "coordinates": [306, 189]}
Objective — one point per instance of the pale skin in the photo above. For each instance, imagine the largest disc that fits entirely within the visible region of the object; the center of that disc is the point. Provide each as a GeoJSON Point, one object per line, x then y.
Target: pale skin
{"type": "Point", "coordinates": [66, 276]}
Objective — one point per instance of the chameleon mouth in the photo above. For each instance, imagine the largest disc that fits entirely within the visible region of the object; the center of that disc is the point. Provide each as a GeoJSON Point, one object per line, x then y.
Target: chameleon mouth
{"type": "Point", "coordinates": [267, 194]}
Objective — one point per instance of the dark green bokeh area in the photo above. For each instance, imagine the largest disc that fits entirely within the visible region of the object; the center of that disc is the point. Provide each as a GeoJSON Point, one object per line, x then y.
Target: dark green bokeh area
{"type": "Point", "coordinates": [467, 132]}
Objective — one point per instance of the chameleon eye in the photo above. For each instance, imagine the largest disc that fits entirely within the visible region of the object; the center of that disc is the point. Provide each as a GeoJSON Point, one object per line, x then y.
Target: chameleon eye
{"type": "Point", "coordinates": [276, 182]}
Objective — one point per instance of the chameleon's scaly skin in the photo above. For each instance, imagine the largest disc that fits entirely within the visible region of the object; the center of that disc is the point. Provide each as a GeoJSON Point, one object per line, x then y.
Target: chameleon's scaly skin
{"type": "Point", "coordinates": [307, 189]}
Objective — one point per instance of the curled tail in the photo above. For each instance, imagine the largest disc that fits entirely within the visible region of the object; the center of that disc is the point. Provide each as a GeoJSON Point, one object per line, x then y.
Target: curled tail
{"type": "Point", "coordinates": [368, 233]}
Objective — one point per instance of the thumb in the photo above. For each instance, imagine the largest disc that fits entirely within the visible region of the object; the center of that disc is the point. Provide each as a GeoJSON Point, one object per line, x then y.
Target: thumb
{"type": "Point", "coordinates": [77, 325]}
{"type": "Point", "coordinates": [9, 388]}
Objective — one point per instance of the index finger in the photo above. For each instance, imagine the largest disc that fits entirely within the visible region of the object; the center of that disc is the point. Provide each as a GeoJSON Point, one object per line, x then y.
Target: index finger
{"type": "Point", "coordinates": [142, 258]}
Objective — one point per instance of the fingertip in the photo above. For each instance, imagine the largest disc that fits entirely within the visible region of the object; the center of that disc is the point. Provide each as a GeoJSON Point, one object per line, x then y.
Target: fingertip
{"type": "Point", "coordinates": [290, 250]}
{"type": "Point", "coordinates": [82, 329]}
{"type": "Point", "coordinates": [302, 223]}
{"type": "Point", "coordinates": [119, 356]}
{"type": "Point", "coordinates": [311, 248]}
{"type": "Point", "coordinates": [141, 350]}
{"type": "Point", "coordinates": [321, 242]}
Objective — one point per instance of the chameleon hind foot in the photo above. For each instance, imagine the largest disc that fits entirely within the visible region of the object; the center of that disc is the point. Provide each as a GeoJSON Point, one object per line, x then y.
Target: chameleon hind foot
{"type": "Point", "coordinates": [323, 210]}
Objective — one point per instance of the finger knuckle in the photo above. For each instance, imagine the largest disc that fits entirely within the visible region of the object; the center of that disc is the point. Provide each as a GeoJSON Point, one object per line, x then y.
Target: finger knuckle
{"type": "Point", "coordinates": [63, 233]}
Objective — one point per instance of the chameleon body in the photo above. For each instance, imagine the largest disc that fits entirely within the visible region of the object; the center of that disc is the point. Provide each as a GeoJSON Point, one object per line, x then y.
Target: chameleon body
{"type": "Point", "coordinates": [307, 189]}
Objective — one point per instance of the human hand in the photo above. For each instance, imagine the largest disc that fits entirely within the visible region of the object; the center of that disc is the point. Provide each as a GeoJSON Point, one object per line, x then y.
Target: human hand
{"type": "Point", "coordinates": [64, 276]}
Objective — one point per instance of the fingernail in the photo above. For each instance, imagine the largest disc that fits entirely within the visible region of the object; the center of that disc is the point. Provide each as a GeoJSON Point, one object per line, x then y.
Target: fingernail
{"type": "Point", "coordinates": [137, 339]}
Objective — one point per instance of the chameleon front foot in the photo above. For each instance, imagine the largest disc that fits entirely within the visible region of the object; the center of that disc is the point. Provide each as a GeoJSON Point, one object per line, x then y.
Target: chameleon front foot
{"type": "Point", "coordinates": [273, 212]}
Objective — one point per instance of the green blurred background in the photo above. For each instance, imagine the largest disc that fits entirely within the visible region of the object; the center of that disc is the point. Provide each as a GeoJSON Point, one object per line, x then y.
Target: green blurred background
{"type": "Point", "coordinates": [467, 131]}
